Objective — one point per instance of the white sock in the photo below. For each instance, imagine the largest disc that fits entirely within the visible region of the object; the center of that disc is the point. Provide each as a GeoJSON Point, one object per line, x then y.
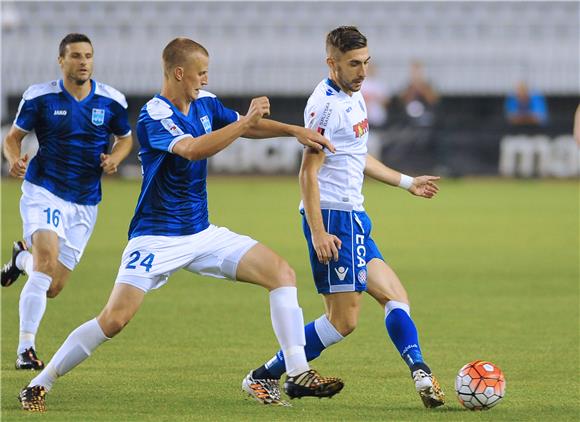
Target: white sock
{"type": "Point", "coordinates": [288, 323]}
{"type": "Point", "coordinates": [76, 348]}
{"type": "Point", "coordinates": [327, 333]}
{"type": "Point", "coordinates": [393, 304]}
{"type": "Point", "coordinates": [31, 307]}
{"type": "Point", "coordinates": [24, 262]}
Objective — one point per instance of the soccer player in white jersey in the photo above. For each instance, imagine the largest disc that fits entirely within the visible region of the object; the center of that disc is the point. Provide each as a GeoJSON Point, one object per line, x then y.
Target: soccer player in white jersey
{"type": "Point", "coordinates": [74, 119]}
{"type": "Point", "coordinates": [344, 258]}
{"type": "Point", "coordinates": [177, 131]}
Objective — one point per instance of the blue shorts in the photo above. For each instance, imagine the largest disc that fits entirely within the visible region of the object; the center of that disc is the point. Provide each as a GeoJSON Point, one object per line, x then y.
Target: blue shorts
{"type": "Point", "coordinates": [349, 273]}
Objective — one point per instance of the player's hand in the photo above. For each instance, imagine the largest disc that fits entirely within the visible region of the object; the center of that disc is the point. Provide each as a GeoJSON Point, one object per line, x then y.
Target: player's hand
{"type": "Point", "coordinates": [259, 107]}
{"type": "Point", "coordinates": [18, 168]}
{"type": "Point", "coordinates": [326, 246]}
{"type": "Point", "coordinates": [313, 139]}
{"type": "Point", "coordinates": [109, 164]}
{"type": "Point", "coordinates": [424, 186]}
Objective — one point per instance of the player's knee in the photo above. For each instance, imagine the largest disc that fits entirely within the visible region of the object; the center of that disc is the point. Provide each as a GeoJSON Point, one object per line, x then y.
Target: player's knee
{"type": "Point", "coordinates": [112, 323]}
{"type": "Point", "coordinates": [344, 326]}
{"type": "Point", "coordinates": [45, 264]}
{"type": "Point", "coordinates": [286, 275]}
{"type": "Point", "coordinates": [53, 291]}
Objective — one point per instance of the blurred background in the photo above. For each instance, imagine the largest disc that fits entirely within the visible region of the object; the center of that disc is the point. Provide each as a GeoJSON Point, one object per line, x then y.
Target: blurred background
{"type": "Point", "coordinates": [456, 88]}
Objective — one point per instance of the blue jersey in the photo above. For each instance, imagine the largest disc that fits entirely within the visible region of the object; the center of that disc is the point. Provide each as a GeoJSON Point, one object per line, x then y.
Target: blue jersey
{"type": "Point", "coordinates": [71, 135]}
{"type": "Point", "coordinates": [173, 199]}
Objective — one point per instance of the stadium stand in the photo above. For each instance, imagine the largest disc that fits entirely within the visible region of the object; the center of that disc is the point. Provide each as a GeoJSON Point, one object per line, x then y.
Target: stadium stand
{"type": "Point", "coordinates": [275, 47]}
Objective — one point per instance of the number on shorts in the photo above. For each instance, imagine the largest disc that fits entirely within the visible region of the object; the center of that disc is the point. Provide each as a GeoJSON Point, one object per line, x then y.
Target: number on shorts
{"type": "Point", "coordinates": [146, 262]}
{"type": "Point", "coordinates": [55, 217]}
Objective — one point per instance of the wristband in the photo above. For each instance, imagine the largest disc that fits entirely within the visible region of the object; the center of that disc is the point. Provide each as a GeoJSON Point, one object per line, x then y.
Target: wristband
{"type": "Point", "coordinates": [406, 181]}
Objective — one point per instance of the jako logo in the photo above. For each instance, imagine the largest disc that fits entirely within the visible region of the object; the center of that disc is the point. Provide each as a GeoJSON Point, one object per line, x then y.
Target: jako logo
{"type": "Point", "coordinates": [59, 113]}
{"type": "Point", "coordinates": [341, 273]}
{"type": "Point", "coordinates": [361, 128]}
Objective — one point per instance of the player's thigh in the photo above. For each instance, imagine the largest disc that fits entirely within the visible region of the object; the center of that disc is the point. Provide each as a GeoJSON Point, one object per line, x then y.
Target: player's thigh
{"type": "Point", "coordinates": [148, 261]}
{"type": "Point", "coordinates": [262, 266]}
{"type": "Point", "coordinates": [342, 309]}
{"type": "Point", "coordinates": [45, 250]}
{"type": "Point", "coordinates": [79, 224]}
{"type": "Point", "coordinates": [40, 211]}
{"type": "Point", "coordinates": [383, 284]}
{"type": "Point", "coordinates": [124, 302]}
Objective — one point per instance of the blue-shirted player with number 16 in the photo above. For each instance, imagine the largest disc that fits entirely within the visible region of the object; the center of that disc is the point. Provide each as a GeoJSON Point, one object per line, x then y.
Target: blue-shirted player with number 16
{"type": "Point", "coordinates": [170, 230]}
{"type": "Point", "coordinates": [74, 119]}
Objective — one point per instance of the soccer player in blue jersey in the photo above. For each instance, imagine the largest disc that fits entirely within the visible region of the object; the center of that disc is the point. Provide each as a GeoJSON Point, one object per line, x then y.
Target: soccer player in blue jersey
{"type": "Point", "coordinates": [178, 130]}
{"type": "Point", "coordinates": [74, 118]}
{"type": "Point", "coordinates": [344, 257]}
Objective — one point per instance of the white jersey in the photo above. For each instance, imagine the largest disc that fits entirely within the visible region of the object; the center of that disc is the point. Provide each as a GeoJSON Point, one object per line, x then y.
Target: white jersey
{"type": "Point", "coordinates": [343, 120]}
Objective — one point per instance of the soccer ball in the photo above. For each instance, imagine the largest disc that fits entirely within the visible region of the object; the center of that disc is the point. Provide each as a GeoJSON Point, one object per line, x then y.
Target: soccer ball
{"type": "Point", "coordinates": [480, 385]}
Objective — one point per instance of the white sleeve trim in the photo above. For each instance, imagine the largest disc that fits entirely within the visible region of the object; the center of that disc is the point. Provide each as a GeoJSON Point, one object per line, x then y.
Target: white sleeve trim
{"type": "Point", "coordinates": [123, 136]}
{"type": "Point", "coordinates": [19, 128]}
{"type": "Point", "coordinates": [176, 140]}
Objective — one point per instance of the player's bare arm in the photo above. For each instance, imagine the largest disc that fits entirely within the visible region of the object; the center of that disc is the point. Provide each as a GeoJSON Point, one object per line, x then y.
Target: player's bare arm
{"type": "Point", "coordinates": [422, 186]}
{"type": "Point", "coordinates": [326, 245]}
{"type": "Point", "coordinates": [121, 149]}
{"type": "Point", "coordinates": [207, 145]}
{"type": "Point", "coordinates": [12, 151]}
{"type": "Point", "coordinates": [267, 128]}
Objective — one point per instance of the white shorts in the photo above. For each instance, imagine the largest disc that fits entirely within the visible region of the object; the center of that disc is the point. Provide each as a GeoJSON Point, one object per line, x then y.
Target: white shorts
{"type": "Point", "coordinates": [148, 261]}
{"type": "Point", "coordinates": [72, 223]}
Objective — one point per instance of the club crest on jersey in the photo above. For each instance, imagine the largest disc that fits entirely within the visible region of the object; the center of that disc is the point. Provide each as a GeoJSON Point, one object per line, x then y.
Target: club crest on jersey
{"type": "Point", "coordinates": [206, 124]}
{"type": "Point", "coordinates": [98, 116]}
{"type": "Point", "coordinates": [361, 128]}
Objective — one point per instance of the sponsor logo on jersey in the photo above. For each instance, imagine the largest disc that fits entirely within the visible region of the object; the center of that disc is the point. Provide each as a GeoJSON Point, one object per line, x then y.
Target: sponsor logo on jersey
{"type": "Point", "coordinates": [206, 124]}
{"type": "Point", "coordinates": [171, 127]}
{"type": "Point", "coordinates": [98, 116]}
{"type": "Point", "coordinates": [361, 251]}
{"type": "Point", "coordinates": [341, 273]}
{"type": "Point", "coordinates": [361, 128]}
{"type": "Point", "coordinates": [59, 113]}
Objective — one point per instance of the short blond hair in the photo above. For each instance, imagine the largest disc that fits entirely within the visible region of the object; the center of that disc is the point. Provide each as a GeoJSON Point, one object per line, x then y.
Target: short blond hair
{"type": "Point", "coordinates": [177, 52]}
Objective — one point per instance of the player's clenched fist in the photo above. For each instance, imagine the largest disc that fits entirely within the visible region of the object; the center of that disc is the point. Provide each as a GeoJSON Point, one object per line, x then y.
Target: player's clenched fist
{"type": "Point", "coordinates": [18, 168]}
{"type": "Point", "coordinates": [259, 107]}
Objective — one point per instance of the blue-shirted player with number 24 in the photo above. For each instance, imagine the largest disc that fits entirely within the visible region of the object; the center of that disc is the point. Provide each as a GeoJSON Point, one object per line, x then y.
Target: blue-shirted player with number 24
{"type": "Point", "coordinates": [170, 230]}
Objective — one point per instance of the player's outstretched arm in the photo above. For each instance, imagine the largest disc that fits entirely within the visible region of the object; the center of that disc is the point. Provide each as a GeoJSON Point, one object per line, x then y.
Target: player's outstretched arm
{"type": "Point", "coordinates": [207, 145]}
{"type": "Point", "coordinates": [423, 186]}
{"type": "Point", "coordinates": [267, 128]}
{"type": "Point", "coordinates": [121, 149]}
{"type": "Point", "coordinates": [12, 149]}
{"type": "Point", "coordinates": [326, 245]}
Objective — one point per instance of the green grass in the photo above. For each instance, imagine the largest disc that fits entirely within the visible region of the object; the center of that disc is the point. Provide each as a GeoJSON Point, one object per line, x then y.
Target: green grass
{"type": "Point", "coordinates": [491, 267]}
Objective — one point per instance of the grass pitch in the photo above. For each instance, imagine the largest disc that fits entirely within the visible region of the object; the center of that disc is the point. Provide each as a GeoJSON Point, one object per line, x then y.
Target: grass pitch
{"type": "Point", "coordinates": [491, 267]}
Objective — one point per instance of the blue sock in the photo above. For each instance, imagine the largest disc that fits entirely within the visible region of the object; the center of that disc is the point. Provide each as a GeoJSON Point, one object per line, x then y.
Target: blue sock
{"type": "Point", "coordinates": [314, 347]}
{"type": "Point", "coordinates": [403, 333]}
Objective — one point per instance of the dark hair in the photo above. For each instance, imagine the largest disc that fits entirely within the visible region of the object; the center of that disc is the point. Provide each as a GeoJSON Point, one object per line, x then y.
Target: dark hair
{"type": "Point", "coordinates": [71, 39]}
{"type": "Point", "coordinates": [177, 52]}
{"type": "Point", "coordinates": [345, 38]}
